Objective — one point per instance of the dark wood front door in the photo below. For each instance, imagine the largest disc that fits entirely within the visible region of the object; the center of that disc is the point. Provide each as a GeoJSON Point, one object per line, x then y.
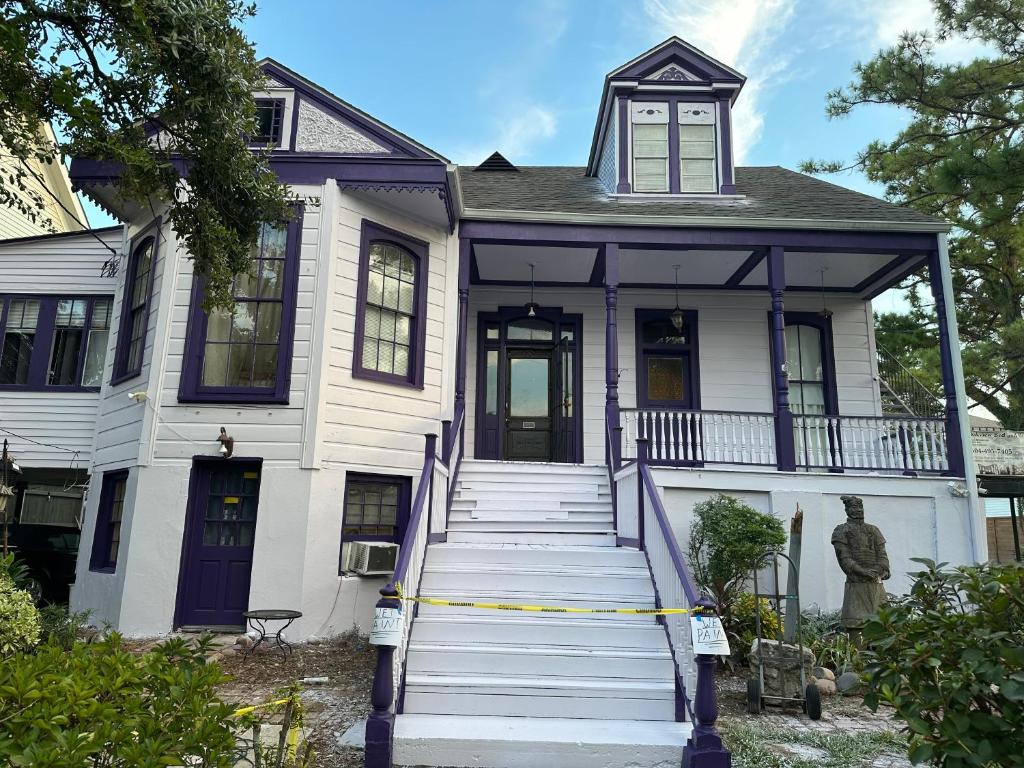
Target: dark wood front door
{"type": "Point", "coordinates": [219, 535]}
{"type": "Point", "coordinates": [528, 405]}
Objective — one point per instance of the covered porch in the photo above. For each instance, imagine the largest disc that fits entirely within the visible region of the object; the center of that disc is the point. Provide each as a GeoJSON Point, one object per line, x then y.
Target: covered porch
{"type": "Point", "coordinates": [763, 357]}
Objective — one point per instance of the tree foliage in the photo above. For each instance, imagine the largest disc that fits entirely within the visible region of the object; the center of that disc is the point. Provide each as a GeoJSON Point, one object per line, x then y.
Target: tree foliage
{"type": "Point", "coordinates": [950, 659]}
{"type": "Point", "coordinates": [961, 157]}
{"type": "Point", "coordinates": [162, 89]}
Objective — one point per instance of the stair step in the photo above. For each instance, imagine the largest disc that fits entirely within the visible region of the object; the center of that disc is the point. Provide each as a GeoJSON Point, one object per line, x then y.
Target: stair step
{"type": "Point", "coordinates": [514, 515]}
{"type": "Point", "coordinates": [532, 526]}
{"type": "Point", "coordinates": [476, 537]}
{"type": "Point", "coordinates": [543, 630]}
{"type": "Point", "coordinates": [538, 582]}
{"type": "Point", "coordinates": [529, 742]}
{"type": "Point", "coordinates": [529, 494]}
{"type": "Point", "coordinates": [513, 570]}
{"type": "Point", "coordinates": [477, 466]}
{"type": "Point", "coordinates": [502, 484]}
{"type": "Point", "coordinates": [470, 658]}
{"type": "Point", "coordinates": [523, 554]}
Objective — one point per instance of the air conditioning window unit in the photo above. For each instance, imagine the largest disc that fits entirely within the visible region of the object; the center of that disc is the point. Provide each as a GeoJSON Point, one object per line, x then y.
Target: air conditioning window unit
{"type": "Point", "coordinates": [369, 558]}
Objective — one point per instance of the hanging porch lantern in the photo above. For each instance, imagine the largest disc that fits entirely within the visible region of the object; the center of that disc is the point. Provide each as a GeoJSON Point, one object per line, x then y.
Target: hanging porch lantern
{"type": "Point", "coordinates": [677, 317]}
{"type": "Point", "coordinates": [531, 306]}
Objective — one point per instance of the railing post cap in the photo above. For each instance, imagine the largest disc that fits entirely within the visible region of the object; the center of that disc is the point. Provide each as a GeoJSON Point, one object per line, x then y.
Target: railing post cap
{"type": "Point", "coordinates": [430, 435]}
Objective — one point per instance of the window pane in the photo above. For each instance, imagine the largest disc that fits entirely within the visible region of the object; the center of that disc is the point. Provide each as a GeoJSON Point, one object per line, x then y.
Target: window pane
{"type": "Point", "coordinates": [665, 380]}
{"type": "Point", "coordinates": [402, 327]}
{"type": "Point", "coordinates": [240, 360]}
{"type": "Point", "coordinates": [390, 306]}
{"type": "Point", "coordinates": [643, 132]}
{"type": "Point", "coordinates": [215, 364]}
{"type": "Point", "coordinates": [273, 241]}
{"type": "Point", "coordinates": [697, 183]}
{"type": "Point", "coordinates": [218, 325]}
{"type": "Point", "coordinates": [371, 508]}
{"type": "Point", "coordinates": [662, 331]}
{"type": "Point", "coordinates": [264, 370]}
{"type": "Point", "coordinates": [268, 326]}
{"type": "Point", "coordinates": [528, 388]}
{"type": "Point", "coordinates": [243, 323]}
{"type": "Point", "coordinates": [19, 341]}
{"type": "Point", "coordinates": [650, 175]}
{"type": "Point", "coordinates": [269, 118]}
{"type": "Point", "coordinates": [143, 265]}
{"type": "Point", "coordinates": [370, 353]}
{"type": "Point", "coordinates": [697, 133]}
{"type": "Point", "coordinates": [810, 353]}
{"type": "Point", "coordinates": [401, 360]}
{"type": "Point", "coordinates": [68, 335]}
{"type": "Point", "coordinates": [271, 277]}
{"type": "Point", "coordinates": [531, 329]}
{"type": "Point", "coordinates": [492, 382]}
{"type": "Point", "coordinates": [95, 354]}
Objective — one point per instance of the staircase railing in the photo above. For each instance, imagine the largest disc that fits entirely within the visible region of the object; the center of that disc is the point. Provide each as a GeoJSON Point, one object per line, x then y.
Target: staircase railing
{"type": "Point", "coordinates": [909, 392]}
{"type": "Point", "coordinates": [674, 587]}
{"type": "Point", "coordinates": [429, 499]}
{"type": "Point", "coordinates": [453, 448]}
{"type": "Point", "coordinates": [907, 444]}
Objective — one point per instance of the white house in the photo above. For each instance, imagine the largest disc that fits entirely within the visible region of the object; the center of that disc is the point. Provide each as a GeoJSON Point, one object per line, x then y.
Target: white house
{"type": "Point", "coordinates": [539, 320]}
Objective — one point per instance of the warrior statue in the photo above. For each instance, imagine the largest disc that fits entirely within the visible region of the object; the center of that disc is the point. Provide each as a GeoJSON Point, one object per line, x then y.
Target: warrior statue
{"type": "Point", "coordinates": [860, 549]}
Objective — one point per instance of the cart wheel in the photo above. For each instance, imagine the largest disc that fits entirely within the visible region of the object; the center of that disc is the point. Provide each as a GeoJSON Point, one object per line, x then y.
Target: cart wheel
{"type": "Point", "coordinates": [754, 696]}
{"type": "Point", "coordinates": [812, 702]}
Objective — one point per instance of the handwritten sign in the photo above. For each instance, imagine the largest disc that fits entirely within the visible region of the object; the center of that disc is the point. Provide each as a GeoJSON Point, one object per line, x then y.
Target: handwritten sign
{"type": "Point", "coordinates": [387, 627]}
{"type": "Point", "coordinates": [708, 636]}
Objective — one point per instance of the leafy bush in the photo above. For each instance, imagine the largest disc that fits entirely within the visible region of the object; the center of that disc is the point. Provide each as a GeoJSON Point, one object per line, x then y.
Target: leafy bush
{"type": "Point", "coordinates": [950, 659]}
{"type": "Point", "coordinates": [742, 626]}
{"type": "Point", "coordinates": [15, 570]}
{"type": "Point", "coordinates": [830, 643]}
{"type": "Point", "coordinates": [100, 705]}
{"type": "Point", "coordinates": [19, 619]}
{"type": "Point", "coordinates": [726, 539]}
{"type": "Point", "coordinates": [60, 626]}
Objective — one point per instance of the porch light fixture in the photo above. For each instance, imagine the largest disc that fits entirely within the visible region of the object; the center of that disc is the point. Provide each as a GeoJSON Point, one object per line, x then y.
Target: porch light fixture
{"type": "Point", "coordinates": [825, 311]}
{"type": "Point", "coordinates": [227, 444]}
{"type": "Point", "coordinates": [677, 316]}
{"type": "Point", "coordinates": [531, 306]}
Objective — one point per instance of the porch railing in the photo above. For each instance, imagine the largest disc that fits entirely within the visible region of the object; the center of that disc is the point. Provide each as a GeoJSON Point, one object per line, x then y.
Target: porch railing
{"type": "Point", "coordinates": [700, 437]}
{"type": "Point", "coordinates": [883, 443]}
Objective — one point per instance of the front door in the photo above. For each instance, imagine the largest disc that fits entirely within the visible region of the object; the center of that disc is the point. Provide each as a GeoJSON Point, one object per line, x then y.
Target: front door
{"type": "Point", "coordinates": [219, 535]}
{"type": "Point", "coordinates": [528, 405]}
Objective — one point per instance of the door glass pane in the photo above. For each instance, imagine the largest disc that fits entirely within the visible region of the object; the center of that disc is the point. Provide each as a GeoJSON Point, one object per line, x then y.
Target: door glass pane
{"type": "Point", "coordinates": [567, 382]}
{"type": "Point", "coordinates": [665, 380]}
{"type": "Point", "coordinates": [529, 388]}
{"type": "Point", "coordinates": [530, 329]}
{"type": "Point", "coordinates": [491, 382]}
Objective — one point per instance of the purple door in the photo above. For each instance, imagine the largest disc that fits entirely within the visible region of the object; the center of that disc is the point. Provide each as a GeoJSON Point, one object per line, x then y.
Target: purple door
{"type": "Point", "coordinates": [221, 527]}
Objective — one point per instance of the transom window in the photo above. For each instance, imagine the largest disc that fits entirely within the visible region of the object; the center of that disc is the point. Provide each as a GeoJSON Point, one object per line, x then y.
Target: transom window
{"type": "Point", "coordinates": [391, 323]}
{"type": "Point", "coordinates": [244, 354]}
{"type": "Point", "coordinates": [269, 122]}
{"type": "Point", "coordinates": [53, 342]}
{"type": "Point", "coordinates": [131, 340]}
{"type": "Point", "coordinates": [666, 359]}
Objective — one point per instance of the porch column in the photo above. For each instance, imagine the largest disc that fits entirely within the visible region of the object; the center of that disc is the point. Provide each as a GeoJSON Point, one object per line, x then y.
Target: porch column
{"type": "Point", "coordinates": [611, 353]}
{"type": "Point", "coordinates": [785, 451]}
{"type": "Point", "coordinates": [465, 255]}
{"type": "Point", "coordinates": [954, 434]}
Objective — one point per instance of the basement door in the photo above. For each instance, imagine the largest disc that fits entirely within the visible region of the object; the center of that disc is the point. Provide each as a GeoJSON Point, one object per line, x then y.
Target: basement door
{"type": "Point", "coordinates": [528, 385]}
{"type": "Point", "coordinates": [213, 590]}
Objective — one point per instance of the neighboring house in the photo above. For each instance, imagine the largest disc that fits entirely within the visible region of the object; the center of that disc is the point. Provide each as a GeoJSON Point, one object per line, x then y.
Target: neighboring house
{"type": "Point", "coordinates": [62, 210]}
{"type": "Point", "coordinates": [539, 319]}
{"type": "Point", "coordinates": [56, 301]}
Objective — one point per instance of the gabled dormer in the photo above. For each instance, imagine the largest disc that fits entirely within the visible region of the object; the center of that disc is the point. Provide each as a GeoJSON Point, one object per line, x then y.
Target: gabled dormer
{"type": "Point", "coordinates": [665, 125]}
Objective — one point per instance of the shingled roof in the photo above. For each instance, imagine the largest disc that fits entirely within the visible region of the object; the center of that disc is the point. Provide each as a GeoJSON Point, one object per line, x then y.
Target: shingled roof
{"type": "Point", "coordinates": [768, 193]}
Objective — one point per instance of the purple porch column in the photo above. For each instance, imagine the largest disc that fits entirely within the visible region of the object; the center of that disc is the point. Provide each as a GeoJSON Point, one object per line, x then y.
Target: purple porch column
{"type": "Point", "coordinates": [704, 747]}
{"type": "Point", "coordinates": [728, 186]}
{"type": "Point", "coordinates": [622, 144]}
{"type": "Point", "coordinates": [785, 450]}
{"type": "Point", "coordinates": [611, 350]}
{"type": "Point", "coordinates": [954, 438]}
{"type": "Point", "coordinates": [465, 256]}
{"type": "Point", "coordinates": [380, 725]}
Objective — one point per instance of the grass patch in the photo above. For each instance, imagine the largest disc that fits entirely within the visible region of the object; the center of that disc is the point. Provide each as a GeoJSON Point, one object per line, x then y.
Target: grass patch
{"type": "Point", "coordinates": [751, 746]}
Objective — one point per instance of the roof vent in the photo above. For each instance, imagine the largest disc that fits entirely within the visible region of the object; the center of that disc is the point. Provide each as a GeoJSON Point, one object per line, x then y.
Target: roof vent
{"type": "Point", "coordinates": [496, 162]}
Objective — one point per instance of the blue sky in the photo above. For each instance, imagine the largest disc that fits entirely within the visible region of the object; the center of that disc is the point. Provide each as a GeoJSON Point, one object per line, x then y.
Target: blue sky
{"type": "Point", "coordinates": [466, 77]}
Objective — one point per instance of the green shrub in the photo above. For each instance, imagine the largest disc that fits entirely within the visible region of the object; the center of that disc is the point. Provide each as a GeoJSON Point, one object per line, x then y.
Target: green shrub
{"type": "Point", "coordinates": [15, 570]}
{"type": "Point", "coordinates": [19, 619]}
{"type": "Point", "coordinates": [830, 643]}
{"type": "Point", "coordinates": [61, 626]}
{"type": "Point", "coordinates": [950, 659]}
{"type": "Point", "coordinates": [742, 626]}
{"type": "Point", "coordinates": [100, 705]}
{"type": "Point", "coordinates": [726, 539]}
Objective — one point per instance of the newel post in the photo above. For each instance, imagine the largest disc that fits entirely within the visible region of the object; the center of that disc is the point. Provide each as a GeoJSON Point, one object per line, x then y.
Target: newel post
{"type": "Point", "coordinates": [642, 457]}
{"type": "Point", "coordinates": [785, 447]}
{"type": "Point", "coordinates": [704, 747]}
{"type": "Point", "coordinates": [380, 725]}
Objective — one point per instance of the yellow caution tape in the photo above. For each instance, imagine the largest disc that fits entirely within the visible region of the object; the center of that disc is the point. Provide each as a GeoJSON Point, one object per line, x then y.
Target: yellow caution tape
{"type": "Point", "coordinates": [538, 608]}
{"type": "Point", "coordinates": [247, 710]}
{"type": "Point", "coordinates": [292, 741]}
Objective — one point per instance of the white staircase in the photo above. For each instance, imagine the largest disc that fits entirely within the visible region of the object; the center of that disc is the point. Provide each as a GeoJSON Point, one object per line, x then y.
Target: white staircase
{"type": "Point", "coordinates": [507, 689]}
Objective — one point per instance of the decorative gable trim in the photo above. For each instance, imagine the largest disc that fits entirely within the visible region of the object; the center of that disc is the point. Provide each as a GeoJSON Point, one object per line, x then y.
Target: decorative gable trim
{"type": "Point", "coordinates": [686, 58]}
{"type": "Point", "coordinates": [318, 131]}
{"type": "Point", "coordinates": [672, 73]}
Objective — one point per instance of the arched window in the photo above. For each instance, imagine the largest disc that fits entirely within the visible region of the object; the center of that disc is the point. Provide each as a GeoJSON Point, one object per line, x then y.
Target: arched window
{"type": "Point", "coordinates": [390, 326]}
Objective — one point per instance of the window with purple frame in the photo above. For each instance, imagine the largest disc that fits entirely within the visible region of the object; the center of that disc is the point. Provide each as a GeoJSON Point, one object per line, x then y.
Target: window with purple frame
{"type": "Point", "coordinates": [391, 307]}
{"type": "Point", "coordinates": [138, 288]}
{"type": "Point", "coordinates": [269, 122]}
{"type": "Point", "coordinates": [376, 508]}
{"type": "Point", "coordinates": [667, 359]}
{"type": "Point", "coordinates": [106, 538]}
{"type": "Point", "coordinates": [244, 354]}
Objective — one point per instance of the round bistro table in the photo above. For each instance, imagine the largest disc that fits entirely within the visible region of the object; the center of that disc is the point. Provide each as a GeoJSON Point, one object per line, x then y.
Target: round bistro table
{"type": "Point", "coordinates": [257, 620]}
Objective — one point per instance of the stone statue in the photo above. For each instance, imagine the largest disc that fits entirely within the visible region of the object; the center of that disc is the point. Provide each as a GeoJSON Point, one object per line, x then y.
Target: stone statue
{"type": "Point", "coordinates": [860, 549]}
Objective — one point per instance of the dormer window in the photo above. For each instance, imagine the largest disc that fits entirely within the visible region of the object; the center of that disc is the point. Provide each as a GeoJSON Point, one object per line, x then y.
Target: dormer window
{"type": "Point", "coordinates": [269, 122]}
{"type": "Point", "coordinates": [650, 147]}
{"type": "Point", "coordinates": [697, 148]}
{"type": "Point", "coordinates": [663, 163]}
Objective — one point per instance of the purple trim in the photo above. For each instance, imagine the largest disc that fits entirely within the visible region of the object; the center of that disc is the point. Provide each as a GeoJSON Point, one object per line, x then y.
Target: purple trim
{"type": "Point", "coordinates": [689, 351]}
{"type": "Point", "coordinates": [611, 355]}
{"type": "Point", "coordinates": [704, 748]}
{"type": "Point", "coordinates": [124, 331]}
{"type": "Point", "coordinates": [99, 560]}
{"type": "Point", "coordinates": [624, 185]}
{"type": "Point", "coordinates": [702, 237]}
{"type": "Point", "coordinates": [785, 445]}
{"type": "Point", "coordinates": [954, 437]}
{"type": "Point", "coordinates": [295, 122]}
{"type": "Point", "coordinates": [672, 52]}
{"type": "Point", "coordinates": [465, 263]}
{"type": "Point", "coordinates": [745, 268]}
{"type": "Point", "coordinates": [420, 250]}
{"type": "Point", "coordinates": [404, 484]}
{"type": "Point", "coordinates": [726, 186]}
{"type": "Point", "coordinates": [621, 541]}
{"type": "Point", "coordinates": [418, 505]}
{"type": "Point", "coordinates": [191, 388]}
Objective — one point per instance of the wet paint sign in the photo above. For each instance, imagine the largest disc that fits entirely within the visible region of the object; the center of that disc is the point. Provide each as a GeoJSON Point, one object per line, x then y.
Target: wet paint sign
{"type": "Point", "coordinates": [708, 636]}
{"type": "Point", "coordinates": [387, 627]}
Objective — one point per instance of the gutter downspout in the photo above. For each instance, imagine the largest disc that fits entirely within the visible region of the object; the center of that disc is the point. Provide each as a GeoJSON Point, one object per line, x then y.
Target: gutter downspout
{"type": "Point", "coordinates": [975, 507]}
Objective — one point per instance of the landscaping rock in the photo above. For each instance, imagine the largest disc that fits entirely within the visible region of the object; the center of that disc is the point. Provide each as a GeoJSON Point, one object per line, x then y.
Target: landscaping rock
{"type": "Point", "coordinates": [244, 642]}
{"type": "Point", "coordinates": [827, 687]}
{"type": "Point", "coordinates": [355, 736]}
{"type": "Point", "coordinates": [823, 673]}
{"type": "Point", "coordinates": [228, 651]}
{"type": "Point", "coordinates": [848, 682]}
{"type": "Point", "coordinates": [782, 663]}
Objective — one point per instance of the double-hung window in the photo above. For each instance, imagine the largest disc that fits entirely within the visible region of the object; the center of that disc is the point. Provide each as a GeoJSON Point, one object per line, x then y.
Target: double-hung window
{"type": "Point", "coordinates": [106, 539]}
{"type": "Point", "coordinates": [391, 307]}
{"type": "Point", "coordinates": [52, 342]}
{"type": "Point", "coordinates": [697, 164]}
{"type": "Point", "coordinates": [667, 359]}
{"type": "Point", "coordinates": [650, 146]}
{"type": "Point", "coordinates": [269, 122]}
{"type": "Point", "coordinates": [138, 288]}
{"type": "Point", "coordinates": [674, 146]}
{"type": "Point", "coordinates": [244, 354]}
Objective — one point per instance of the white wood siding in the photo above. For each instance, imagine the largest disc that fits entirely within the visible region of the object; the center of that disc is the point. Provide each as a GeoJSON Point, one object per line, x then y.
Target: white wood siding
{"type": "Point", "coordinates": [54, 266]}
{"type": "Point", "coordinates": [735, 368]}
{"type": "Point", "coordinates": [371, 425]}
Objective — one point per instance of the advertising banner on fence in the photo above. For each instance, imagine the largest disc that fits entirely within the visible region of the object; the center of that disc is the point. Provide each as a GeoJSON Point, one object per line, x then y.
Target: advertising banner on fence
{"type": "Point", "coordinates": [998, 451]}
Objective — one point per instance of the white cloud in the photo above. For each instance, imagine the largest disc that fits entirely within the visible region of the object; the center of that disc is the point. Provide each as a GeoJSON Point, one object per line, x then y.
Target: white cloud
{"type": "Point", "coordinates": [740, 33]}
{"type": "Point", "coordinates": [884, 21]}
{"type": "Point", "coordinates": [516, 135]}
